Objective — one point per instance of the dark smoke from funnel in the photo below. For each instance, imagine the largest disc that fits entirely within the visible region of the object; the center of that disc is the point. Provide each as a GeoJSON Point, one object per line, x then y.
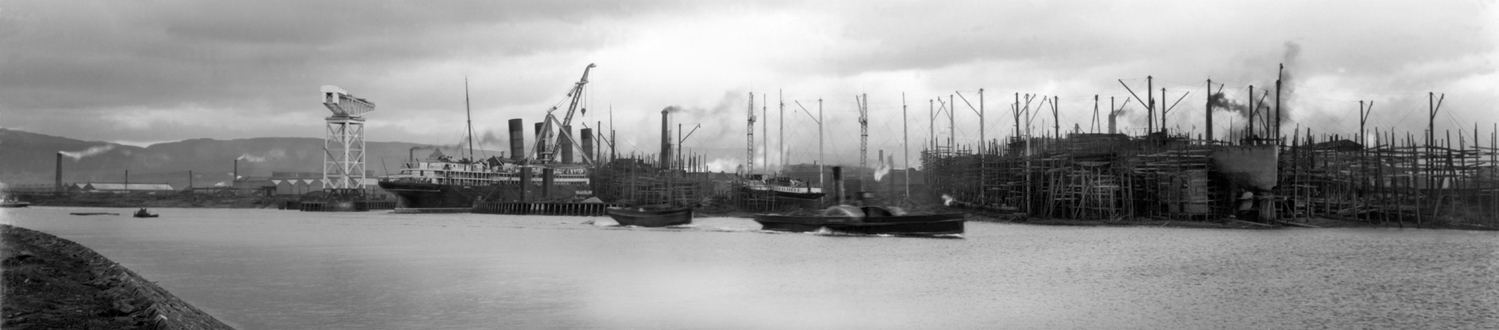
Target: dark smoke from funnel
{"type": "Point", "coordinates": [1223, 103]}
{"type": "Point", "coordinates": [1266, 111]}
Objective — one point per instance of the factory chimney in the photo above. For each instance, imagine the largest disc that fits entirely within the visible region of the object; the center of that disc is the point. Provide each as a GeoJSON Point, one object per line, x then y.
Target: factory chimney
{"type": "Point", "coordinates": [517, 139]}
{"type": "Point", "coordinates": [236, 172]}
{"type": "Point", "coordinates": [1113, 111]}
{"type": "Point", "coordinates": [665, 138]}
{"type": "Point", "coordinates": [58, 183]}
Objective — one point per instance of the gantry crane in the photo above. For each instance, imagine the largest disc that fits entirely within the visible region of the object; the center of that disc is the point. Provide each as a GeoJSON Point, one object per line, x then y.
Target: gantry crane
{"type": "Point", "coordinates": [343, 148]}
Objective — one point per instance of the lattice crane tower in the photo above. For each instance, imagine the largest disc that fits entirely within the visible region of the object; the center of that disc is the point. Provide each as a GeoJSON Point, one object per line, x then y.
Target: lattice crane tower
{"type": "Point", "coordinates": [343, 149]}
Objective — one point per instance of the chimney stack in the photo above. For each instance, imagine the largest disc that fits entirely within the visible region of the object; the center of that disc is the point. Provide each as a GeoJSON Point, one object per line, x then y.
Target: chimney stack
{"type": "Point", "coordinates": [236, 172]}
{"type": "Point", "coordinates": [517, 139]}
{"type": "Point", "coordinates": [1111, 116]}
{"type": "Point", "coordinates": [1209, 124]}
{"type": "Point", "coordinates": [58, 183]}
{"type": "Point", "coordinates": [665, 138]}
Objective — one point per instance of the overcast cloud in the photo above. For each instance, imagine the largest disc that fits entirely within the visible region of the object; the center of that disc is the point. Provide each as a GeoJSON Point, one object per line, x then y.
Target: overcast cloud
{"type": "Point", "coordinates": [154, 71]}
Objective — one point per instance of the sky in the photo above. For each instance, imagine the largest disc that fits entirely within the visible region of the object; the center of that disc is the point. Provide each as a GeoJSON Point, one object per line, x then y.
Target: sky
{"type": "Point", "coordinates": [142, 72]}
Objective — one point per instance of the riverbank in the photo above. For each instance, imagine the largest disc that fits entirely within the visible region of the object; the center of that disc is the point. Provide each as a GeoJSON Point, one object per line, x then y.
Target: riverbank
{"type": "Point", "coordinates": [1228, 223]}
{"type": "Point", "coordinates": [163, 200]}
{"type": "Point", "coordinates": [1318, 222]}
{"type": "Point", "coordinates": [53, 283]}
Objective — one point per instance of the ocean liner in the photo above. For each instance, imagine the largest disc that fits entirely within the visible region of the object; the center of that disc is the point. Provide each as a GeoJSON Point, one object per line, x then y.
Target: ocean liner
{"type": "Point", "coordinates": [444, 182]}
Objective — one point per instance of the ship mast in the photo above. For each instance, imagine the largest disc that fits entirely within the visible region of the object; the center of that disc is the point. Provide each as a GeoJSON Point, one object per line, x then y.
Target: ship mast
{"type": "Point", "coordinates": [469, 112]}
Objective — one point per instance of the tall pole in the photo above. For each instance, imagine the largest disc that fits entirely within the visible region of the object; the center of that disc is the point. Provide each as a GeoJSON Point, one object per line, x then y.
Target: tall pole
{"type": "Point", "coordinates": [981, 117]}
{"type": "Point", "coordinates": [680, 156]}
{"type": "Point", "coordinates": [1149, 107]}
{"type": "Point", "coordinates": [821, 162]}
{"type": "Point", "coordinates": [952, 132]}
{"type": "Point", "coordinates": [1094, 127]}
{"type": "Point", "coordinates": [782, 129]}
{"type": "Point", "coordinates": [905, 144]}
{"type": "Point", "coordinates": [1251, 114]}
{"type": "Point", "coordinates": [1163, 109]}
{"type": "Point", "coordinates": [612, 154]}
{"type": "Point", "coordinates": [749, 155]}
{"type": "Point", "coordinates": [1278, 76]}
{"type": "Point", "coordinates": [764, 135]}
{"type": "Point", "coordinates": [1016, 108]}
{"type": "Point", "coordinates": [931, 123]}
{"type": "Point", "coordinates": [1056, 122]}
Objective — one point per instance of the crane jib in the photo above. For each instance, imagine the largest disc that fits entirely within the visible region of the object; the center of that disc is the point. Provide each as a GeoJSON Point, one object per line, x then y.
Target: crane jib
{"type": "Point", "coordinates": [550, 153]}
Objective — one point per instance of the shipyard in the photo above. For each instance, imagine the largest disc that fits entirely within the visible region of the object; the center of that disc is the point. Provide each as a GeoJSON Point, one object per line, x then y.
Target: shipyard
{"type": "Point", "coordinates": [749, 165]}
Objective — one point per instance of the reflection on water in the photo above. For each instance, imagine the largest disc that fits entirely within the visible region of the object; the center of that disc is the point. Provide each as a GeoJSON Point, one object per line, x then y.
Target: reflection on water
{"type": "Point", "coordinates": [267, 269]}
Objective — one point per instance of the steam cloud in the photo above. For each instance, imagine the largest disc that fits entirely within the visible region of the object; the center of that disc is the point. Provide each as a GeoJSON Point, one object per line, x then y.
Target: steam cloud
{"type": "Point", "coordinates": [78, 155]}
{"type": "Point", "coordinates": [883, 169]}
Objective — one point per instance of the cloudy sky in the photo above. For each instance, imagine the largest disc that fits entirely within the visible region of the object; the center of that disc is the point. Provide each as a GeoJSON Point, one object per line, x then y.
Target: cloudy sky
{"type": "Point", "coordinates": [139, 72]}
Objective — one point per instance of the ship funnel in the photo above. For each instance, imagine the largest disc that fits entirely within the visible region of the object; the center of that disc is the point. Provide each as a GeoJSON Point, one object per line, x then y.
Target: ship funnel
{"type": "Point", "coordinates": [838, 183]}
{"type": "Point", "coordinates": [587, 140]}
{"type": "Point", "coordinates": [517, 139]}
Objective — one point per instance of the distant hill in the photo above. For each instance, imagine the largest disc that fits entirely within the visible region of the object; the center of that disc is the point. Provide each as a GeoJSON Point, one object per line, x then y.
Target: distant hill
{"type": "Point", "coordinates": [29, 158]}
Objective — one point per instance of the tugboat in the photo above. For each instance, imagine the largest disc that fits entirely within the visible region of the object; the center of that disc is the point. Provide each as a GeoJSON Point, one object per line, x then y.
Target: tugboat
{"type": "Point", "coordinates": [868, 220]}
{"type": "Point", "coordinates": [142, 213]}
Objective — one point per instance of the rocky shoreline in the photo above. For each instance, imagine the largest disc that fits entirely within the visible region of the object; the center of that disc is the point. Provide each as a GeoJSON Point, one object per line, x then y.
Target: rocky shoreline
{"type": "Point", "coordinates": [54, 283]}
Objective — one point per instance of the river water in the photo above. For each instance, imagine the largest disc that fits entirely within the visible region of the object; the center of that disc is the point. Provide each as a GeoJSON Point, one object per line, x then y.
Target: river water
{"type": "Point", "coordinates": [269, 269]}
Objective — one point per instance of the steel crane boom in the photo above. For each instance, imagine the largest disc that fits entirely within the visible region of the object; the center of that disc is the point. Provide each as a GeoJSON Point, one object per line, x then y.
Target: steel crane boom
{"type": "Point", "coordinates": [550, 154]}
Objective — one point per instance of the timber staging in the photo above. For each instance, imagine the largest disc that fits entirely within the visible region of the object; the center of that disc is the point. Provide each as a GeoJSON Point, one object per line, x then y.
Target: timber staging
{"type": "Point", "coordinates": [1393, 181]}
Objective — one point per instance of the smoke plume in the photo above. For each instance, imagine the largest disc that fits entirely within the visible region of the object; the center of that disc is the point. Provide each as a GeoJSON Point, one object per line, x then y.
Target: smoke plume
{"type": "Point", "coordinates": [1264, 93]}
{"type": "Point", "coordinates": [78, 155]}
{"type": "Point", "coordinates": [1291, 58]}
{"type": "Point", "coordinates": [270, 155]}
